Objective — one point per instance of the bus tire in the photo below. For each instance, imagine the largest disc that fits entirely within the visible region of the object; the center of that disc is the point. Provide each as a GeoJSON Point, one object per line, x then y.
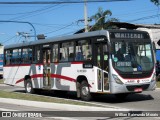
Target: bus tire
{"type": "Point", "coordinates": [84, 91]}
{"type": "Point", "coordinates": [28, 86]}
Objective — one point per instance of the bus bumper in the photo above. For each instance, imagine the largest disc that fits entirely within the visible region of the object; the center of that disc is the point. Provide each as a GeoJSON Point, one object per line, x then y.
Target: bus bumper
{"type": "Point", "coordinates": [125, 88]}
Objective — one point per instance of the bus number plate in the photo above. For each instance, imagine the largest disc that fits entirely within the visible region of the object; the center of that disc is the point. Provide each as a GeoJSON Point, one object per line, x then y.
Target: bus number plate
{"type": "Point", "coordinates": [138, 90]}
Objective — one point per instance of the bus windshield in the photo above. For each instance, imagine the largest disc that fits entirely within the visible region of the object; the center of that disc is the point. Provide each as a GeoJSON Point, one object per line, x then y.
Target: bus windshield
{"type": "Point", "coordinates": [132, 56]}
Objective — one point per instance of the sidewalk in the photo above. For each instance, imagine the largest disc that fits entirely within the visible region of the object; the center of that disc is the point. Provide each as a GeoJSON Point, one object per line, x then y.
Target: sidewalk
{"type": "Point", "coordinates": [58, 106]}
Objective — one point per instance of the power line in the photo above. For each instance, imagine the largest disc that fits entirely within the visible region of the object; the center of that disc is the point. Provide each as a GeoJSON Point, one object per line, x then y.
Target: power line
{"type": "Point", "coordinates": [60, 28]}
{"type": "Point", "coordinates": [60, 2]}
{"type": "Point", "coordinates": [38, 10]}
{"type": "Point", "coordinates": [9, 39]}
{"type": "Point", "coordinates": [135, 13]}
{"type": "Point", "coordinates": [144, 18]}
{"type": "Point", "coordinates": [32, 14]}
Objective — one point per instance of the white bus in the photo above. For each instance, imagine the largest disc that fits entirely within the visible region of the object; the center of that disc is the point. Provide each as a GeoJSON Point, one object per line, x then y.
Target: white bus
{"type": "Point", "coordinates": [116, 62]}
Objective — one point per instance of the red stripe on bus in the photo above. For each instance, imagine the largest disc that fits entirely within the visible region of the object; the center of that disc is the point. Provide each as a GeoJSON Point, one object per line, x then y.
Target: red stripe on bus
{"type": "Point", "coordinates": [76, 62]}
{"type": "Point", "coordinates": [21, 80]}
{"type": "Point", "coordinates": [62, 77]}
{"type": "Point", "coordinates": [52, 76]}
{"type": "Point", "coordinates": [37, 75]}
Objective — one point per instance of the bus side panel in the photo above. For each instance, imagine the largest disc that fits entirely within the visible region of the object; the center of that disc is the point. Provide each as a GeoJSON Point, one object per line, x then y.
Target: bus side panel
{"type": "Point", "coordinates": [36, 73]}
{"type": "Point", "coordinates": [64, 76]}
{"type": "Point", "coordinates": [14, 75]}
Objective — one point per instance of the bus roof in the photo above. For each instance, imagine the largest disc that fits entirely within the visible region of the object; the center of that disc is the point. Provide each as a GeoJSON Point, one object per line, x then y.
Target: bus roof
{"type": "Point", "coordinates": [69, 37]}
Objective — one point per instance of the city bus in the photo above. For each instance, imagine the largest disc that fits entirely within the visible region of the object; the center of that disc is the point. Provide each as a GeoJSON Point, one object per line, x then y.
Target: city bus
{"type": "Point", "coordinates": [118, 62]}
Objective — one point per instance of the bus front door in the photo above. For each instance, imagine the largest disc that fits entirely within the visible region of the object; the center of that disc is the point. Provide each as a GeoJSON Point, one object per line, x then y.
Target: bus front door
{"type": "Point", "coordinates": [101, 61]}
{"type": "Point", "coordinates": [46, 68]}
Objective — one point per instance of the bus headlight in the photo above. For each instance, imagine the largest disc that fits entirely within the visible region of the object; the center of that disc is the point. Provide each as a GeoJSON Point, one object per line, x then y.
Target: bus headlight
{"type": "Point", "coordinates": [117, 79]}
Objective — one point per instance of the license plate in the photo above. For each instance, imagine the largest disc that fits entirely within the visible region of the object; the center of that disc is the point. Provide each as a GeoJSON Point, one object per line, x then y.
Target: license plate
{"type": "Point", "coordinates": [138, 89]}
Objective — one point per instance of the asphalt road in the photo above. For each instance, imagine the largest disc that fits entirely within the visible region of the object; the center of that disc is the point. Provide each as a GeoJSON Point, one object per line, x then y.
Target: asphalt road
{"type": "Point", "coordinates": [146, 101]}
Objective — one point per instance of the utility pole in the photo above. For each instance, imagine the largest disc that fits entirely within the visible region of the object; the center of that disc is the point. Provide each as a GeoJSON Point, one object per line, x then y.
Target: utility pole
{"type": "Point", "coordinates": [85, 16]}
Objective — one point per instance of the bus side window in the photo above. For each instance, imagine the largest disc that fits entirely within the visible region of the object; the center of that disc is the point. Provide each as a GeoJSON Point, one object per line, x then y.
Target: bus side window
{"type": "Point", "coordinates": [8, 55]}
{"type": "Point", "coordinates": [63, 52]}
{"type": "Point", "coordinates": [83, 50]}
{"type": "Point", "coordinates": [67, 51]}
{"type": "Point", "coordinates": [55, 53]}
{"type": "Point", "coordinates": [26, 55]}
{"type": "Point", "coordinates": [30, 55]}
{"type": "Point", "coordinates": [36, 54]}
{"type": "Point", "coordinates": [16, 56]}
{"type": "Point", "coordinates": [79, 54]}
{"type": "Point", "coordinates": [71, 56]}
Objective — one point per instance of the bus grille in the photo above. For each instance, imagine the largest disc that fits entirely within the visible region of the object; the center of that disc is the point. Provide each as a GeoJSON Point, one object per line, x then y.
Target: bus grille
{"type": "Point", "coordinates": [143, 75]}
{"type": "Point", "coordinates": [131, 88]}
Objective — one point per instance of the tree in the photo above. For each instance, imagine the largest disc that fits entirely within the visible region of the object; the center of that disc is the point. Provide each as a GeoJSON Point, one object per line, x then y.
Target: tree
{"type": "Point", "coordinates": [101, 19]}
{"type": "Point", "coordinates": [156, 2]}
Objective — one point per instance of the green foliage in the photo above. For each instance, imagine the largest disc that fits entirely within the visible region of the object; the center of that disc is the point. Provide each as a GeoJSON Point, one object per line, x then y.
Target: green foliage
{"type": "Point", "coordinates": [158, 84]}
{"type": "Point", "coordinates": [156, 2]}
{"type": "Point", "coordinates": [1, 81]}
{"type": "Point", "coordinates": [102, 20]}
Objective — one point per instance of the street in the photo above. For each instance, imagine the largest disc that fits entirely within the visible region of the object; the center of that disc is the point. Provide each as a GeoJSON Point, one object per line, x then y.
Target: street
{"type": "Point", "coordinates": [148, 100]}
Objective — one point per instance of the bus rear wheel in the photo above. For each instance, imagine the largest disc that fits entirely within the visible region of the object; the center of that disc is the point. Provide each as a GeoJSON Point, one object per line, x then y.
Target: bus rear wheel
{"type": "Point", "coordinates": [28, 86]}
{"type": "Point", "coordinates": [84, 91]}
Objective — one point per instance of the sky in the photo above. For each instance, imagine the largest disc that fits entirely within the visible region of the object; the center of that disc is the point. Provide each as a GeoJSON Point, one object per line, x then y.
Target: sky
{"type": "Point", "coordinates": [54, 20]}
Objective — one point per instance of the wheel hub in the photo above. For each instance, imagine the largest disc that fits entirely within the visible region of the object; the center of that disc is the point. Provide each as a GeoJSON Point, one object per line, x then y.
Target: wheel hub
{"type": "Point", "coordinates": [85, 91]}
{"type": "Point", "coordinates": [28, 87]}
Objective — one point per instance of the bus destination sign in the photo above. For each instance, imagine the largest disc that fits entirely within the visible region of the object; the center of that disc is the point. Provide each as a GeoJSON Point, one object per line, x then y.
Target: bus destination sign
{"type": "Point", "coordinates": [127, 35]}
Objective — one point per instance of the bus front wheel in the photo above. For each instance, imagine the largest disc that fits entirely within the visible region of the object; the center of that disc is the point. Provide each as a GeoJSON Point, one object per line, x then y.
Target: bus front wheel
{"type": "Point", "coordinates": [28, 86]}
{"type": "Point", "coordinates": [84, 91]}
